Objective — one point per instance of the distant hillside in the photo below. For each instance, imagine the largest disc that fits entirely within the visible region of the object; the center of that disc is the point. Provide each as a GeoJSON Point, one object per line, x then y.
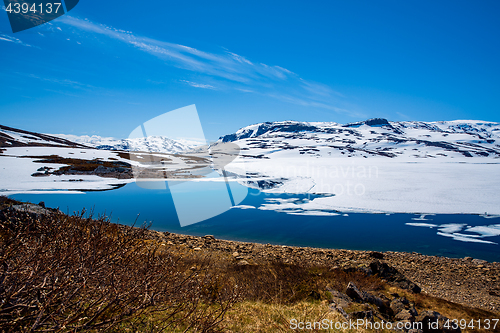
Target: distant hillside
{"type": "Point", "coordinates": [154, 144]}
{"type": "Point", "coordinates": [374, 137]}
{"type": "Point", "coordinates": [12, 137]}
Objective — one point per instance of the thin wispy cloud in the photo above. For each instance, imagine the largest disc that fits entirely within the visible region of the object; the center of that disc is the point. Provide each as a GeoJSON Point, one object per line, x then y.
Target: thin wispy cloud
{"type": "Point", "coordinates": [6, 38]}
{"type": "Point", "coordinates": [198, 85]}
{"type": "Point", "coordinates": [64, 82]}
{"type": "Point", "coordinates": [223, 71]}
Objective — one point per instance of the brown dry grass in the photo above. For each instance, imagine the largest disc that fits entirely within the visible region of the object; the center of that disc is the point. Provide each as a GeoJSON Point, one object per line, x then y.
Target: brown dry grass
{"type": "Point", "coordinates": [258, 317]}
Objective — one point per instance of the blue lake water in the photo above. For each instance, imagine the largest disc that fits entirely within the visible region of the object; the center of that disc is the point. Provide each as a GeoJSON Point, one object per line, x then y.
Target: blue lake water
{"type": "Point", "coordinates": [356, 231]}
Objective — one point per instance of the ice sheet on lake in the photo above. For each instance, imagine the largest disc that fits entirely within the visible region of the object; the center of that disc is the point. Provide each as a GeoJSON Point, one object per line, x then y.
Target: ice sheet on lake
{"type": "Point", "coordinates": [243, 207]}
{"type": "Point", "coordinates": [384, 185]}
{"type": "Point", "coordinates": [463, 232]}
{"type": "Point", "coordinates": [485, 231]}
{"type": "Point", "coordinates": [451, 228]}
{"type": "Point", "coordinates": [468, 239]}
{"type": "Point", "coordinates": [295, 206]}
{"type": "Point", "coordinates": [429, 225]}
{"type": "Point", "coordinates": [422, 217]}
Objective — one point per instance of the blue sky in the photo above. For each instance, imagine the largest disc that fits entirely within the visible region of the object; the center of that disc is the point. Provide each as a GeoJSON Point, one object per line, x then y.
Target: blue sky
{"type": "Point", "coordinates": [108, 66]}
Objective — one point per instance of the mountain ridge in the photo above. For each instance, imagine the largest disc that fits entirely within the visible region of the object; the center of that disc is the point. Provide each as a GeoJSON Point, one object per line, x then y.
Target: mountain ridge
{"type": "Point", "coordinates": [376, 136]}
{"type": "Point", "coordinates": [13, 137]}
{"type": "Point", "coordinates": [154, 144]}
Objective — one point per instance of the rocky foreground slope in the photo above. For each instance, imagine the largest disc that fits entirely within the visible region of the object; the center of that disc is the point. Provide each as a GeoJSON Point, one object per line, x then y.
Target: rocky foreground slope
{"type": "Point", "coordinates": [467, 281]}
{"type": "Point", "coordinates": [398, 288]}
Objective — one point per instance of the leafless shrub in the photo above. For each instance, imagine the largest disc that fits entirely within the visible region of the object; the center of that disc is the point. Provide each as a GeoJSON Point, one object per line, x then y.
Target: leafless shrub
{"type": "Point", "coordinates": [61, 273]}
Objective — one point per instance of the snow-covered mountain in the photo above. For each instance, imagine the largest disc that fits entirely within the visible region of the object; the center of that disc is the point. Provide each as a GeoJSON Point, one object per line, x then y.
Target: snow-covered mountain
{"type": "Point", "coordinates": [155, 144]}
{"type": "Point", "coordinates": [375, 137]}
{"type": "Point", "coordinates": [12, 137]}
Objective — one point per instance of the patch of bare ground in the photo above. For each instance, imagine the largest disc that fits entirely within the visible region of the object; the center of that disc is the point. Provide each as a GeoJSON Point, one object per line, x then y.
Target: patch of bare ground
{"type": "Point", "coordinates": [112, 168]}
{"type": "Point", "coordinates": [75, 166]}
